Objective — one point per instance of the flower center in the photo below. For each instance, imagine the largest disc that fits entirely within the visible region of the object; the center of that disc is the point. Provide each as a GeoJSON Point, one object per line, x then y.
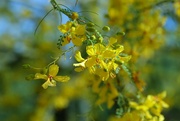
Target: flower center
{"type": "Point", "coordinates": [50, 77]}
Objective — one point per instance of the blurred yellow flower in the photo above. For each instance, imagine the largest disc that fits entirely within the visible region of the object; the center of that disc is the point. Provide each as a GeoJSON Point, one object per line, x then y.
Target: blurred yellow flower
{"type": "Point", "coordinates": [152, 106]}
{"type": "Point", "coordinates": [107, 93]}
{"type": "Point", "coordinates": [130, 116]}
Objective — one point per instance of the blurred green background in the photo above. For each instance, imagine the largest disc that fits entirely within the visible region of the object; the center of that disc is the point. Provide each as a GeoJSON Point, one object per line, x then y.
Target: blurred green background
{"type": "Point", "coordinates": [22, 100]}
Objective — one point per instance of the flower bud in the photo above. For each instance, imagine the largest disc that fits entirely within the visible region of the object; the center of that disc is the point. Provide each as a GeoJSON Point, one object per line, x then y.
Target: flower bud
{"type": "Point", "coordinates": [120, 33]}
{"type": "Point", "coordinates": [90, 24]}
{"type": "Point", "coordinates": [106, 28]}
{"type": "Point", "coordinates": [90, 29]}
{"type": "Point", "coordinates": [74, 15]}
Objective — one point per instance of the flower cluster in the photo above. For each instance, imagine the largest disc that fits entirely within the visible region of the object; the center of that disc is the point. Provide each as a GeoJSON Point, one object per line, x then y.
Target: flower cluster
{"type": "Point", "coordinates": [104, 58]}
{"type": "Point", "coordinates": [151, 107]}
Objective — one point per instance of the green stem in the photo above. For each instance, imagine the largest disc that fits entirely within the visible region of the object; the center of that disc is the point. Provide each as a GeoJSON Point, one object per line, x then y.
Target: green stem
{"type": "Point", "coordinates": [58, 8]}
{"type": "Point", "coordinates": [156, 4]}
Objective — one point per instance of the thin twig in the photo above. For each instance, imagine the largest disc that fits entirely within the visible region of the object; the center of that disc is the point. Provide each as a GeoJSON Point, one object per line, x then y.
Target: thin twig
{"type": "Point", "coordinates": [156, 4]}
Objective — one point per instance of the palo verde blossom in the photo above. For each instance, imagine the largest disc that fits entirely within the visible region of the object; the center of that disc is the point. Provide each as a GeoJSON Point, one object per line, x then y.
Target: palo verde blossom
{"type": "Point", "coordinates": [51, 77]}
{"type": "Point", "coordinates": [152, 107]}
{"type": "Point", "coordinates": [72, 32]}
{"type": "Point", "coordinates": [102, 59]}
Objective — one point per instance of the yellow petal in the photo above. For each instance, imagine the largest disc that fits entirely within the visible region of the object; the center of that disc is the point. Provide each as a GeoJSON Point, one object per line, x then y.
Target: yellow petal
{"type": "Point", "coordinates": [49, 83]}
{"type": "Point", "coordinates": [115, 66]}
{"type": "Point", "coordinates": [90, 62]}
{"type": "Point", "coordinates": [78, 56]}
{"type": "Point", "coordinates": [112, 40]}
{"type": "Point", "coordinates": [125, 59]}
{"type": "Point", "coordinates": [82, 64]}
{"type": "Point", "coordinates": [102, 74]}
{"type": "Point", "coordinates": [108, 54]}
{"type": "Point", "coordinates": [164, 104]}
{"type": "Point", "coordinates": [114, 92]}
{"type": "Point", "coordinates": [41, 76]}
{"type": "Point", "coordinates": [162, 95]}
{"type": "Point", "coordinates": [161, 118]}
{"type": "Point", "coordinates": [66, 40]}
{"type": "Point", "coordinates": [79, 69]}
{"type": "Point", "coordinates": [110, 101]}
{"type": "Point", "coordinates": [62, 78]}
{"type": "Point", "coordinates": [119, 49]}
{"type": "Point", "coordinates": [92, 70]}
{"type": "Point", "coordinates": [90, 50]}
{"type": "Point", "coordinates": [53, 70]}
{"type": "Point", "coordinates": [80, 30]}
{"type": "Point", "coordinates": [133, 104]}
{"type": "Point", "coordinates": [65, 27]}
{"type": "Point", "coordinates": [95, 86]}
{"type": "Point", "coordinates": [99, 48]}
{"type": "Point", "coordinates": [77, 40]}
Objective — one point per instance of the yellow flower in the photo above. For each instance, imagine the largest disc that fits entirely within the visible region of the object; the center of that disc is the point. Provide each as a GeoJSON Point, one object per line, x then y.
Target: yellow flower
{"type": "Point", "coordinates": [97, 53]}
{"type": "Point", "coordinates": [64, 28]}
{"type": "Point", "coordinates": [78, 34]}
{"type": "Point", "coordinates": [74, 15]}
{"type": "Point", "coordinates": [152, 106]}
{"type": "Point", "coordinates": [177, 7]}
{"type": "Point", "coordinates": [73, 32]}
{"type": "Point", "coordinates": [107, 93]}
{"type": "Point", "coordinates": [102, 60]}
{"type": "Point", "coordinates": [51, 77]}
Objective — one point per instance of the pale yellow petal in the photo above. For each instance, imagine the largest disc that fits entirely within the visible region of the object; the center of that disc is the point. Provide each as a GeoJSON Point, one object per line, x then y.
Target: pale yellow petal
{"type": "Point", "coordinates": [110, 101]}
{"type": "Point", "coordinates": [112, 40]}
{"type": "Point", "coordinates": [90, 50]}
{"type": "Point", "coordinates": [162, 95]}
{"type": "Point", "coordinates": [164, 104]}
{"type": "Point", "coordinates": [78, 56]}
{"type": "Point", "coordinates": [90, 62]}
{"type": "Point", "coordinates": [66, 40]}
{"type": "Point", "coordinates": [79, 69]}
{"type": "Point", "coordinates": [108, 54]}
{"type": "Point", "coordinates": [119, 49]}
{"type": "Point", "coordinates": [104, 75]}
{"type": "Point", "coordinates": [77, 40]}
{"type": "Point", "coordinates": [62, 78]}
{"type": "Point", "coordinates": [80, 30]}
{"type": "Point", "coordinates": [99, 48]}
{"type": "Point", "coordinates": [82, 64]}
{"type": "Point", "coordinates": [41, 76]}
{"type": "Point", "coordinates": [53, 70]}
{"type": "Point", "coordinates": [65, 27]}
{"type": "Point", "coordinates": [125, 59]}
{"type": "Point", "coordinates": [49, 83]}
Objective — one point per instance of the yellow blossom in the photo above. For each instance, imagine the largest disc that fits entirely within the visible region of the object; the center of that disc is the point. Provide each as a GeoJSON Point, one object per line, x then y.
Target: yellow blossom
{"type": "Point", "coordinates": [102, 60]}
{"type": "Point", "coordinates": [73, 32]}
{"type": "Point", "coordinates": [107, 93]}
{"type": "Point", "coordinates": [152, 106]}
{"type": "Point", "coordinates": [74, 15]}
{"type": "Point", "coordinates": [51, 77]}
{"type": "Point", "coordinates": [64, 28]}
